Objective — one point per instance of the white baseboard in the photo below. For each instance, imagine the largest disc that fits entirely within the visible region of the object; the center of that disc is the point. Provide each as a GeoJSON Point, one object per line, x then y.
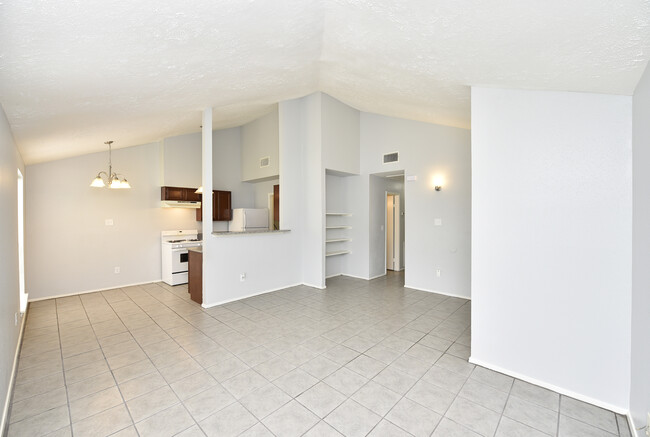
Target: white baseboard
{"type": "Point", "coordinates": [94, 291]}
{"type": "Point", "coordinates": [555, 388]}
{"type": "Point", "coordinates": [214, 304]}
{"type": "Point", "coordinates": [438, 292]}
{"type": "Point", "coordinates": [308, 285]}
{"type": "Point", "coordinates": [4, 426]}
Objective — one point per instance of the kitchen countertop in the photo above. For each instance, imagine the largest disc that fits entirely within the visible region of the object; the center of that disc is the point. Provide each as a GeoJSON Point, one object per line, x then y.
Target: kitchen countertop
{"type": "Point", "coordinates": [256, 232]}
{"type": "Point", "coordinates": [196, 249]}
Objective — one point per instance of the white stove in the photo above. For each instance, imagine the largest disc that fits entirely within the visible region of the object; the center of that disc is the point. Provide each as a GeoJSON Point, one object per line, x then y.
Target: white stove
{"type": "Point", "coordinates": [174, 254]}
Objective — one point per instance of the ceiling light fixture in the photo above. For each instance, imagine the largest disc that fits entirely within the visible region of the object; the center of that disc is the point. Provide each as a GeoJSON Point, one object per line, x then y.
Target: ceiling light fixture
{"type": "Point", "coordinates": [112, 179]}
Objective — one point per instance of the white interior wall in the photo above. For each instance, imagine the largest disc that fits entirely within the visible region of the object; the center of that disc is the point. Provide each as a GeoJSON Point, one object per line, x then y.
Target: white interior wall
{"type": "Point", "coordinates": [640, 358]}
{"type": "Point", "coordinates": [259, 139]}
{"type": "Point", "coordinates": [340, 127]}
{"type": "Point", "coordinates": [313, 187]}
{"type": "Point", "coordinates": [427, 150]}
{"type": "Point", "coordinates": [358, 201]}
{"type": "Point", "coordinates": [68, 246]}
{"type": "Point", "coordinates": [181, 161]}
{"type": "Point", "coordinates": [551, 239]}
{"type": "Point", "coordinates": [261, 192]}
{"type": "Point", "coordinates": [227, 170]}
{"type": "Point", "coordinates": [10, 162]}
{"type": "Point", "coordinates": [377, 231]}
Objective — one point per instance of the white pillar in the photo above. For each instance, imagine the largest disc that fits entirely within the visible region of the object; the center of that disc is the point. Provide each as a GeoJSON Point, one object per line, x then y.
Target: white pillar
{"type": "Point", "coordinates": [206, 182]}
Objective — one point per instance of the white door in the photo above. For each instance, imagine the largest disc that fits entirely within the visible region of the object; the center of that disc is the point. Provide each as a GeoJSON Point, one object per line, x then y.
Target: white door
{"type": "Point", "coordinates": [390, 232]}
{"type": "Point", "coordinates": [393, 233]}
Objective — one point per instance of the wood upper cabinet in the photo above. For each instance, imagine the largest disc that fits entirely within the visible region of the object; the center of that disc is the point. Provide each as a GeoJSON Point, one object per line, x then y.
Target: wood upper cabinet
{"type": "Point", "coordinates": [179, 193]}
{"type": "Point", "coordinates": [221, 207]}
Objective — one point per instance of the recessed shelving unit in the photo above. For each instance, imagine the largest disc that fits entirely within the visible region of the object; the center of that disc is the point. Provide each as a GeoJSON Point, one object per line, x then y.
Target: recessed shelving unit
{"type": "Point", "coordinates": [337, 237]}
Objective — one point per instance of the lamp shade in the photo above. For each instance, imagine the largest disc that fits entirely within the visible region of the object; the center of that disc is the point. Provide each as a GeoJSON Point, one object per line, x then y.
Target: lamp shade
{"type": "Point", "coordinates": [98, 182]}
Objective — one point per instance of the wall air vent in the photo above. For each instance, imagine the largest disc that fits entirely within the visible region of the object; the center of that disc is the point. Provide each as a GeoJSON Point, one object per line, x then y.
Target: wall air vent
{"type": "Point", "coordinates": [265, 162]}
{"type": "Point", "coordinates": [391, 157]}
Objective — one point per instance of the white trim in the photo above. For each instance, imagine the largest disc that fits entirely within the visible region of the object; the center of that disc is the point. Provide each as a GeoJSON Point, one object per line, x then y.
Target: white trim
{"type": "Point", "coordinates": [320, 287]}
{"type": "Point", "coordinates": [210, 305]}
{"type": "Point", "coordinates": [94, 291]}
{"type": "Point", "coordinates": [14, 369]}
{"type": "Point", "coordinates": [555, 388]}
{"type": "Point", "coordinates": [438, 292]}
{"type": "Point", "coordinates": [630, 424]}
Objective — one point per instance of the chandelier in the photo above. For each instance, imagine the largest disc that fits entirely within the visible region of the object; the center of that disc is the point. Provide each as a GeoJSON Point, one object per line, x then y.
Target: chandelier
{"type": "Point", "coordinates": [112, 179]}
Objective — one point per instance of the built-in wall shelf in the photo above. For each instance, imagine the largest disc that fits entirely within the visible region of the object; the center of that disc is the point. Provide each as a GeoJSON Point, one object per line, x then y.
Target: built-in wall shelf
{"type": "Point", "coordinates": [340, 252]}
{"type": "Point", "coordinates": [338, 213]}
{"type": "Point", "coordinates": [338, 227]}
{"type": "Point", "coordinates": [337, 240]}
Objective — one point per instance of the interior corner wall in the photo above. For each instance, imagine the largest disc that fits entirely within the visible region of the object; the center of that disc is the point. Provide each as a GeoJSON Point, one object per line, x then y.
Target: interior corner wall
{"type": "Point", "coordinates": [425, 151]}
{"type": "Point", "coordinates": [640, 365]}
{"type": "Point", "coordinates": [68, 247]}
{"type": "Point", "coordinates": [551, 240]}
{"type": "Point", "coordinates": [10, 162]}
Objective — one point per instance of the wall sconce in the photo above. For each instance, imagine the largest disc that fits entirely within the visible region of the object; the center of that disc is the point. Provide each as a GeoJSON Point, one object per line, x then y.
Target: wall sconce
{"type": "Point", "coordinates": [438, 182]}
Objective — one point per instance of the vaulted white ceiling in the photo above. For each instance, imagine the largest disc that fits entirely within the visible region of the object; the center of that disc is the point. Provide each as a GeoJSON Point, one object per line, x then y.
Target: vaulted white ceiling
{"type": "Point", "coordinates": [75, 73]}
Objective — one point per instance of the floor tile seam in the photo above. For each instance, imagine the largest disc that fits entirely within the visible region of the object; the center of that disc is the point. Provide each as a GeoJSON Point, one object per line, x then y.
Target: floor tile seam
{"type": "Point", "coordinates": [589, 423]}
{"type": "Point", "coordinates": [149, 356]}
{"type": "Point", "coordinates": [114, 380]}
{"type": "Point", "coordinates": [444, 415]}
{"type": "Point", "coordinates": [11, 402]}
{"type": "Point", "coordinates": [65, 381]}
{"type": "Point", "coordinates": [503, 410]}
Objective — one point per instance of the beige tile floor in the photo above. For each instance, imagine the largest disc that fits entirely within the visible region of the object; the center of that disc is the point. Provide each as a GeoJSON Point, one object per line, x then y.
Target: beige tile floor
{"type": "Point", "coordinates": [359, 358]}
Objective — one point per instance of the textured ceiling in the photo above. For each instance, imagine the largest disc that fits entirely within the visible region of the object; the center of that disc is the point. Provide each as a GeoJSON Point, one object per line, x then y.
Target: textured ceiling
{"type": "Point", "coordinates": [75, 73]}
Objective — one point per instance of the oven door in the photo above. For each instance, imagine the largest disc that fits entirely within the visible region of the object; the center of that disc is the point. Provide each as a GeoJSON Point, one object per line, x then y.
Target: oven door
{"type": "Point", "coordinates": [179, 260]}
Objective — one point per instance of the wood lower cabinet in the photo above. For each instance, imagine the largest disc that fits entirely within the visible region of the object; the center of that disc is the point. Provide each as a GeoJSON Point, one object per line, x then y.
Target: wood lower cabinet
{"type": "Point", "coordinates": [195, 275]}
{"type": "Point", "coordinates": [221, 207]}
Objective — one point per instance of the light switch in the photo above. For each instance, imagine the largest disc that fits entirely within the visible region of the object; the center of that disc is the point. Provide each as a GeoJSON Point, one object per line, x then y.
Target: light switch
{"type": "Point", "coordinates": [108, 222]}
{"type": "Point", "coordinates": [412, 178]}
{"type": "Point", "coordinates": [381, 228]}
{"type": "Point", "coordinates": [437, 222]}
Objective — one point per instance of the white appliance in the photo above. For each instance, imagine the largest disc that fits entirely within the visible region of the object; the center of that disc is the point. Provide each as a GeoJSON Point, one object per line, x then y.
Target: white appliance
{"type": "Point", "coordinates": [174, 254]}
{"type": "Point", "coordinates": [249, 219]}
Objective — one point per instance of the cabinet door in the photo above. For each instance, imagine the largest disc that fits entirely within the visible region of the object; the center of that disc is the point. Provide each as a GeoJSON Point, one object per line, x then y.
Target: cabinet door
{"type": "Point", "coordinates": [191, 195]}
{"type": "Point", "coordinates": [221, 205]}
{"type": "Point", "coordinates": [172, 193]}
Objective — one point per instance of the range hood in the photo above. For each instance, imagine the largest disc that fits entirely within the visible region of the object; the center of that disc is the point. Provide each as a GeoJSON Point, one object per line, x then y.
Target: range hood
{"type": "Point", "coordinates": [181, 204]}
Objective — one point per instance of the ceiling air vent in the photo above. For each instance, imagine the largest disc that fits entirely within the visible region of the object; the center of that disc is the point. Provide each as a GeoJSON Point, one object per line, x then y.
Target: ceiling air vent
{"type": "Point", "coordinates": [391, 157]}
{"type": "Point", "coordinates": [265, 162]}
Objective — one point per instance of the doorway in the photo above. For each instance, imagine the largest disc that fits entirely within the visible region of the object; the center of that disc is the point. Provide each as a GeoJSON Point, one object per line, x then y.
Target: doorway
{"type": "Point", "coordinates": [393, 232]}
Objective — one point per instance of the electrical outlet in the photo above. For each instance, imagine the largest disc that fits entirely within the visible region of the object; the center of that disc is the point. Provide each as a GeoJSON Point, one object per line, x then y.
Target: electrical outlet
{"type": "Point", "coordinates": [437, 273]}
{"type": "Point", "coordinates": [117, 270]}
{"type": "Point", "coordinates": [242, 277]}
{"type": "Point", "coordinates": [15, 319]}
{"type": "Point", "coordinates": [108, 222]}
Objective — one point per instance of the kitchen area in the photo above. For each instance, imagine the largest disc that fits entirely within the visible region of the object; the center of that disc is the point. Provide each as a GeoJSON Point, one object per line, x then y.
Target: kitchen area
{"type": "Point", "coordinates": [246, 201]}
